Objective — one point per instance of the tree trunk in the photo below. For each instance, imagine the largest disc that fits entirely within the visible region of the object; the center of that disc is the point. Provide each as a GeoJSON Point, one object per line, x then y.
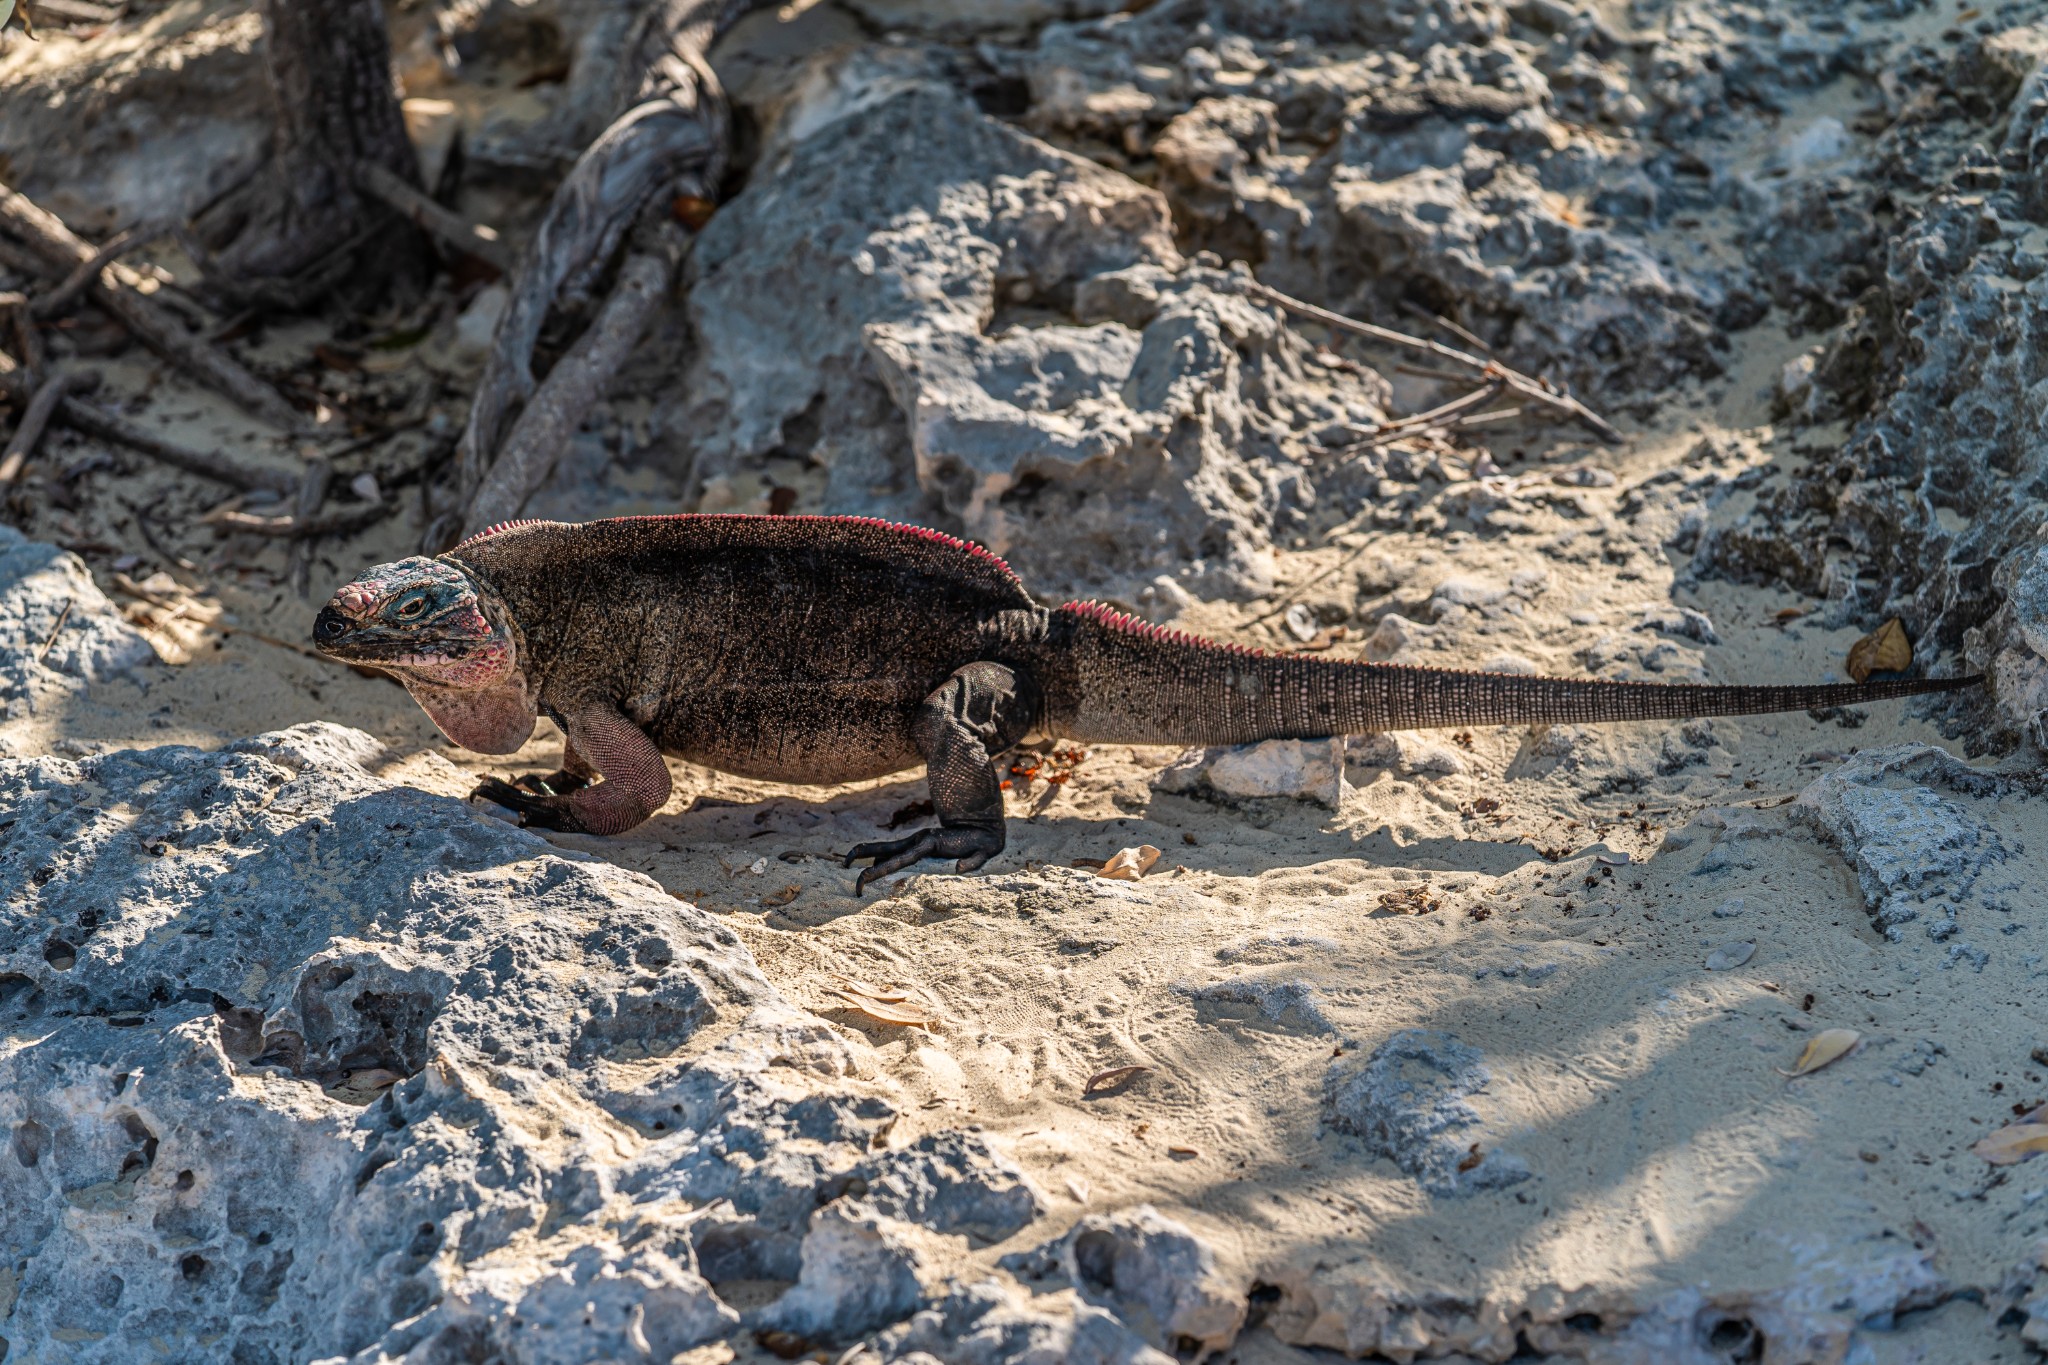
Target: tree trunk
{"type": "Point", "coordinates": [330, 70]}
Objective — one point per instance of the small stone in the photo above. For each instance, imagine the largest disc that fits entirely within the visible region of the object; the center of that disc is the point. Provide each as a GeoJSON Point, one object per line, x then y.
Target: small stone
{"type": "Point", "coordinates": [1729, 908]}
{"type": "Point", "coordinates": [1729, 956]}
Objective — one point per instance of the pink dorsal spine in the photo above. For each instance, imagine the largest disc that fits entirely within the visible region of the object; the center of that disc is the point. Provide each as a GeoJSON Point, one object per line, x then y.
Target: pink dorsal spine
{"type": "Point", "coordinates": [1131, 625]}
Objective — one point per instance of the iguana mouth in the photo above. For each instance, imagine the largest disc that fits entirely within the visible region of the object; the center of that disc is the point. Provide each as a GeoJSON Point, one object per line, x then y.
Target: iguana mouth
{"type": "Point", "coordinates": [338, 637]}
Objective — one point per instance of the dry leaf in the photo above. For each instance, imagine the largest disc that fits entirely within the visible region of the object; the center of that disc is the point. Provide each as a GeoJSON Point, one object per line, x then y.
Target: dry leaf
{"type": "Point", "coordinates": [1115, 1076]}
{"type": "Point", "coordinates": [1181, 1151]}
{"type": "Point", "coordinates": [1884, 650]}
{"type": "Point", "coordinates": [853, 985]}
{"type": "Point", "coordinates": [782, 897]}
{"type": "Point", "coordinates": [1130, 864]}
{"type": "Point", "coordinates": [2013, 1143]}
{"type": "Point", "coordinates": [1829, 1045]}
{"type": "Point", "coordinates": [885, 1012]}
{"type": "Point", "coordinates": [1787, 615]}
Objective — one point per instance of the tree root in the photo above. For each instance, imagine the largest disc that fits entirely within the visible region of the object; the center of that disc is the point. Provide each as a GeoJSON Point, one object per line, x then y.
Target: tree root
{"type": "Point", "coordinates": [671, 143]}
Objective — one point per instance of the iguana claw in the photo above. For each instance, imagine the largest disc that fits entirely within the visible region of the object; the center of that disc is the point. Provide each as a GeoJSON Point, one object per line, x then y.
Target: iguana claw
{"type": "Point", "coordinates": [516, 798]}
{"type": "Point", "coordinates": [972, 845]}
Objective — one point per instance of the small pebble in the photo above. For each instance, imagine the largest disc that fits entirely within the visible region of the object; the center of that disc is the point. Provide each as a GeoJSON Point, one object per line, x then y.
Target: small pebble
{"type": "Point", "coordinates": [1729, 956]}
{"type": "Point", "coordinates": [1729, 908]}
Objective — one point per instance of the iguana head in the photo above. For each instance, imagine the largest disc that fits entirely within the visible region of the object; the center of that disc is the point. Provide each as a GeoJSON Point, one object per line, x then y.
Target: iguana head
{"type": "Point", "coordinates": [422, 619]}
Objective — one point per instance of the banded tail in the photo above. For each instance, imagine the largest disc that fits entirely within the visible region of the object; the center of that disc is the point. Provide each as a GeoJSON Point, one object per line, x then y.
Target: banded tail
{"type": "Point", "coordinates": [1133, 683]}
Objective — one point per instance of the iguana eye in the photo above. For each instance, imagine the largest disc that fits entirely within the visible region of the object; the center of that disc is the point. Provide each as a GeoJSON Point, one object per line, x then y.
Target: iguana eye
{"type": "Point", "coordinates": [411, 607]}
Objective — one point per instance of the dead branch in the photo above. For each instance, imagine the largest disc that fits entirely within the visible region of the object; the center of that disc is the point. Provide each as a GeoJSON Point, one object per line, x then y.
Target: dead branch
{"type": "Point", "coordinates": [473, 239]}
{"type": "Point", "coordinates": [342, 523]}
{"type": "Point", "coordinates": [216, 465]}
{"type": "Point", "coordinates": [25, 337]}
{"type": "Point", "coordinates": [114, 290]}
{"type": "Point", "coordinates": [37, 416]}
{"type": "Point", "coordinates": [1387, 431]}
{"type": "Point", "coordinates": [671, 141]}
{"type": "Point", "coordinates": [576, 384]}
{"type": "Point", "coordinates": [79, 280]}
{"type": "Point", "coordinates": [1492, 369]}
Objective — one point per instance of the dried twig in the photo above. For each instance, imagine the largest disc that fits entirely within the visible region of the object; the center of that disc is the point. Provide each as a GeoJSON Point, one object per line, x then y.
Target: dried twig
{"type": "Point", "coordinates": [23, 334]}
{"type": "Point", "coordinates": [1472, 339]}
{"type": "Point", "coordinates": [56, 630]}
{"type": "Point", "coordinates": [1388, 431]}
{"type": "Point", "coordinates": [345, 522]}
{"type": "Point", "coordinates": [114, 290]}
{"type": "Point", "coordinates": [37, 416]}
{"type": "Point", "coordinates": [79, 280]}
{"type": "Point", "coordinates": [1492, 369]}
{"type": "Point", "coordinates": [216, 465]}
{"type": "Point", "coordinates": [470, 238]}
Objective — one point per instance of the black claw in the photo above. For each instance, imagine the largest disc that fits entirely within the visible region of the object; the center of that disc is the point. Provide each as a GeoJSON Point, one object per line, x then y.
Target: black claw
{"type": "Point", "coordinates": [501, 793]}
{"type": "Point", "coordinates": [972, 846]}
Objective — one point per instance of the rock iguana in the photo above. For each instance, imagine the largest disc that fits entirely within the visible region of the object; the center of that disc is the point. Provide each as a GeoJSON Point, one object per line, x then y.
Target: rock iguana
{"type": "Point", "coordinates": [818, 649]}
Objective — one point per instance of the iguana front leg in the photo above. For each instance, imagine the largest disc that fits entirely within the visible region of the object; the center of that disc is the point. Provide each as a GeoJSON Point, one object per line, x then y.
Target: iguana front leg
{"type": "Point", "coordinates": [980, 711]}
{"type": "Point", "coordinates": [599, 741]}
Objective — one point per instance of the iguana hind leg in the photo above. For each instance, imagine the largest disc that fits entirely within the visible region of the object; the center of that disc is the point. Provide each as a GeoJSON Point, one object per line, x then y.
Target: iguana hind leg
{"type": "Point", "coordinates": [603, 742]}
{"type": "Point", "coordinates": [977, 713]}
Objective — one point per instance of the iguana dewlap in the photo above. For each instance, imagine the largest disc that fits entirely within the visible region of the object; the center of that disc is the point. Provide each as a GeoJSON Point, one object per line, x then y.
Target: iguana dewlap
{"type": "Point", "coordinates": [832, 649]}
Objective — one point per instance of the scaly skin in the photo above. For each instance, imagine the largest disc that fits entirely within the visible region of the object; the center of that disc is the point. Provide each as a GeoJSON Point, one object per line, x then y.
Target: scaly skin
{"type": "Point", "coordinates": [833, 649]}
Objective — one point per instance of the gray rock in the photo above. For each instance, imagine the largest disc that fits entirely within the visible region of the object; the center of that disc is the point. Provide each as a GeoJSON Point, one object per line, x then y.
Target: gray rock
{"type": "Point", "coordinates": [1154, 1272]}
{"type": "Point", "coordinates": [859, 1272]}
{"type": "Point", "coordinates": [47, 596]}
{"type": "Point", "coordinates": [1408, 1100]}
{"type": "Point", "coordinates": [1907, 844]}
{"type": "Point", "coordinates": [993, 1322]}
{"type": "Point", "coordinates": [310, 1066]}
{"type": "Point", "coordinates": [1306, 769]}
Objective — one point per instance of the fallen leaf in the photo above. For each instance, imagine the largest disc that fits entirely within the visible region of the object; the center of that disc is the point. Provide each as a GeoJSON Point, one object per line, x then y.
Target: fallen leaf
{"type": "Point", "coordinates": [853, 985]}
{"type": "Point", "coordinates": [1180, 1151]}
{"type": "Point", "coordinates": [1829, 1045]}
{"type": "Point", "coordinates": [1130, 864]}
{"type": "Point", "coordinates": [1729, 956]}
{"type": "Point", "coordinates": [884, 1012]}
{"type": "Point", "coordinates": [1471, 1158]}
{"type": "Point", "coordinates": [782, 897]}
{"type": "Point", "coordinates": [1884, 650]}
{"type": "Point", "coordinates": [1110, 1079]}
{"type": "Point", "coordinates": [1786, 615]}
{"type": "Point", "coordinates": [2013, 1143]}
{"type": "Point", "coordinates": [692, 211]}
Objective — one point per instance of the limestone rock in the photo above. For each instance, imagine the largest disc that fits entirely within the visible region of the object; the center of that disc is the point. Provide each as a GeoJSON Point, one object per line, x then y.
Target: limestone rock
{"type": "Point", "coordinates": [1409, 1100]}
{"type": "Point", "coordinates": [1907, 843]}
{"type": "Point", "coordinates": [47, 596]}
{"type": "Point", "coordinates": [312, 1066]}
{"type": "Point", "coordinates": [1306, 769]}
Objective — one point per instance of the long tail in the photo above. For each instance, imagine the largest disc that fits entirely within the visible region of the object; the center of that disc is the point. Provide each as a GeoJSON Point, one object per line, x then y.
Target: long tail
{"type": "Point", "coordinates": [1120, 681]}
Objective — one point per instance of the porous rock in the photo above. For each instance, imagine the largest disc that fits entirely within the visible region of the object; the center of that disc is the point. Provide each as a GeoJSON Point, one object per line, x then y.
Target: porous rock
{"type": "Point", "coordinates": [1006, 340]}
{"type": "Point", "coordinates": [48, 597]}
{"type": "Point", "coordinates": [1907, 843]}
{"type": "Point", "coordinates": [311, 1066]}
{"type": "Point", "coordinates": [1306, 769]}
{"type": "Point", "coordinates": [1408, 1099]}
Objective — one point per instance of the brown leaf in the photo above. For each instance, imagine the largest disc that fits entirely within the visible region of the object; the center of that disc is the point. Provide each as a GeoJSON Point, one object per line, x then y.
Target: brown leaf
{"type": "Point", "coordinates": [853, 985]}
{"type": "Point", "coordinates": [883, 1012]}
{"type": "Point", "coordinates": [1110, 1079]}
{"type": "Point", "coordinates": [1884, 650]}
{"type": "Point", "coordinates": [1829, 1045]}
{"type": "Point", "coordinates": [1129, 864]}
{"type": "Point", "coordinates": [692, 211]}
{"type": "Point", "coordinates": [782, 897]}
{"type": "Point", "coordinates": [1181, 1151]}
{"type": "Point", "coordinates": [2013, 1143]}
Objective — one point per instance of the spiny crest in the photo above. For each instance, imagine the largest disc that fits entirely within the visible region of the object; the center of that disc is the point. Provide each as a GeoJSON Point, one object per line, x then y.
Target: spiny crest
{"type": "Point", "coordinates": [922, 532]}
{"type": "Point", "coordinates": [490, 531]}
{"type": "Point", "coordinates": [1131, 625]}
